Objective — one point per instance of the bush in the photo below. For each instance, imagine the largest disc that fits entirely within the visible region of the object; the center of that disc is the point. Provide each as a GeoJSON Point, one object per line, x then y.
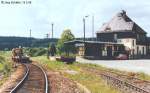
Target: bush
{"type": "Point", "coordinates": [5, 65]}
{"type": "Point", "coordinates": [33, 52]}
{"type": "Point", "coordinates": [40, 52]}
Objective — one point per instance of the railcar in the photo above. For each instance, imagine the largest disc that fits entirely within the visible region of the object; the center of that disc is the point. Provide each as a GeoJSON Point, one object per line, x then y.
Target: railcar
{"type": "Point", "coordinates": [19, 57]}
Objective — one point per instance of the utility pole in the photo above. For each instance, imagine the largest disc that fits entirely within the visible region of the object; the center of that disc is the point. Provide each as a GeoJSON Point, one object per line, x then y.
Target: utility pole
{"type": "Point", "coordinates": [30, 41]}
{"type": "Point", "coordinates": [93, 27]}
{"type": "Point", "coordinates": [52, 29]}
{"type": "Point", "coordinates": [30, 33]}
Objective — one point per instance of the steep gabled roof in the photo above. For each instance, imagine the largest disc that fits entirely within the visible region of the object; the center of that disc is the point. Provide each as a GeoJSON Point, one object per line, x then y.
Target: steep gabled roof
{"type": "Point", "coordinates": [120, 23]}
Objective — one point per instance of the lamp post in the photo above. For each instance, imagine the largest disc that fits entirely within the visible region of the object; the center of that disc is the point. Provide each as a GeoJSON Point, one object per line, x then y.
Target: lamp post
{"type": "Point", "coordinates": [84, 31]}
{"type": "Point", "coordinates": [52, 29]}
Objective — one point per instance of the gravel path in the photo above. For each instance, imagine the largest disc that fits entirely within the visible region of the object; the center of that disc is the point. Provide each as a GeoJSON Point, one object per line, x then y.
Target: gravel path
{"type": "Point", "coordinates": [125, 65]}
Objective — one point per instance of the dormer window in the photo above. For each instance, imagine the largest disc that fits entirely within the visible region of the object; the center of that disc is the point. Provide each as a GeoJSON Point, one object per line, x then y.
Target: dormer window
{"type": "Point", "coordinates": [107, 29]}
{"type": "Point", "coordinates": [115, 37]}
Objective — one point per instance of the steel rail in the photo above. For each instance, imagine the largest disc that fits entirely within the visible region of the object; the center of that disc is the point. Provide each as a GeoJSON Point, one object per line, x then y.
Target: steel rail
{"type": "Point", "coordinates": [25, 76]}
{"type": "Point", "coordinates": [22, 80]}
{"type": "Point", "coordinates": [46, 79]}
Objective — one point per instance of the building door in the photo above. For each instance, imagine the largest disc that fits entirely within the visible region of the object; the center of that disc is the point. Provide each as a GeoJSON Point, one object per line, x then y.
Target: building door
{"type": "Point", "coordinates": [143, 50]}
{"type": "Point", "coordinates": [109, 51]}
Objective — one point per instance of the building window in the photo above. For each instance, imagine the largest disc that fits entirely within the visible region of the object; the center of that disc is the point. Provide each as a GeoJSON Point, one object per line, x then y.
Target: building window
{"type": "Point", "coordinates": [138, 36]}
{"type": "Point", "coordinates": [137, 50]}
{"type": "Point", "coordinates": [115, 48]}
{"type": "Point", "coordinates": [143, 51]}
{"type": "Point", "coordinates": [119, 41]}
{"type": "Point", "coordinates": [133, 43]}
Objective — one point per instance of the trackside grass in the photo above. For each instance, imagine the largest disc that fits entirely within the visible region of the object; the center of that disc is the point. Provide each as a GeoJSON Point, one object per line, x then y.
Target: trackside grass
{"type": "Point", "coordinates": [94, 83]}
{"type": "Point", "coordinates": [5, 66]}
{"type": "Point", "coordinates": [144, 76]}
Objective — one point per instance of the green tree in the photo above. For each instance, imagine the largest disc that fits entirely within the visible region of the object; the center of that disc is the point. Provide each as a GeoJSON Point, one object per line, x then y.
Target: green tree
{"type": "Point", "coordinates": [65, 36]}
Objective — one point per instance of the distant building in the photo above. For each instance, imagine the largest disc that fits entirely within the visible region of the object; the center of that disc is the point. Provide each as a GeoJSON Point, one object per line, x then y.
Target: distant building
{"type": "Point", "coordinates": [119, 35]}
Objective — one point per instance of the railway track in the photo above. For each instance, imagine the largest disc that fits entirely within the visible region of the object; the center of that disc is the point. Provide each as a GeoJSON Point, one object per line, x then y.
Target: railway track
{"type": "Point", "coordinates": [34, 81]}
{"type": "Point", "coordinates": [126, 86]}
{"type": "Point", "coordinates": [123, 82]}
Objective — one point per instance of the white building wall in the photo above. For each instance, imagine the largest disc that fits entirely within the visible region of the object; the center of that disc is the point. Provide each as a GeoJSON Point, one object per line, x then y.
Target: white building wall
{"type": "Point", "coordinates": [104, 53]}
{"type": "Point", "coordinates": [130, 43]}
{"type": "Point", "coordinates": [141, 51]}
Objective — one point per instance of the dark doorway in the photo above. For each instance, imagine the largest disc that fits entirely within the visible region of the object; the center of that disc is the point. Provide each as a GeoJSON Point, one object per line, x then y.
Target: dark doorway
{"type": "Point", "coordinates": [109, 51]}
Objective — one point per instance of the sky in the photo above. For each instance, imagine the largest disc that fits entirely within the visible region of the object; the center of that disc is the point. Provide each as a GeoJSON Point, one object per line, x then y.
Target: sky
{"type": "Point", "coordinates": [18, 19]}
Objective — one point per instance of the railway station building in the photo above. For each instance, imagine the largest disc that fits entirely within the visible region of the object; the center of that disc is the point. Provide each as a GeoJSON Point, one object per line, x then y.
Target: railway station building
{"type": "Point", "coordinates": [120, 35]}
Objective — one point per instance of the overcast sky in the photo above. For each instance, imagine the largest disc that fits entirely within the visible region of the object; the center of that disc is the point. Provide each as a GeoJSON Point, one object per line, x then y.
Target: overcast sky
{"type": "Point", "coordinates": [18, 19]}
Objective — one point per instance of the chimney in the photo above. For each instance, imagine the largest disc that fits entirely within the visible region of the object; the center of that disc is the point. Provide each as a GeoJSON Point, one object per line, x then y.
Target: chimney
{"type": "Point", "coordinates": [123, 12]}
